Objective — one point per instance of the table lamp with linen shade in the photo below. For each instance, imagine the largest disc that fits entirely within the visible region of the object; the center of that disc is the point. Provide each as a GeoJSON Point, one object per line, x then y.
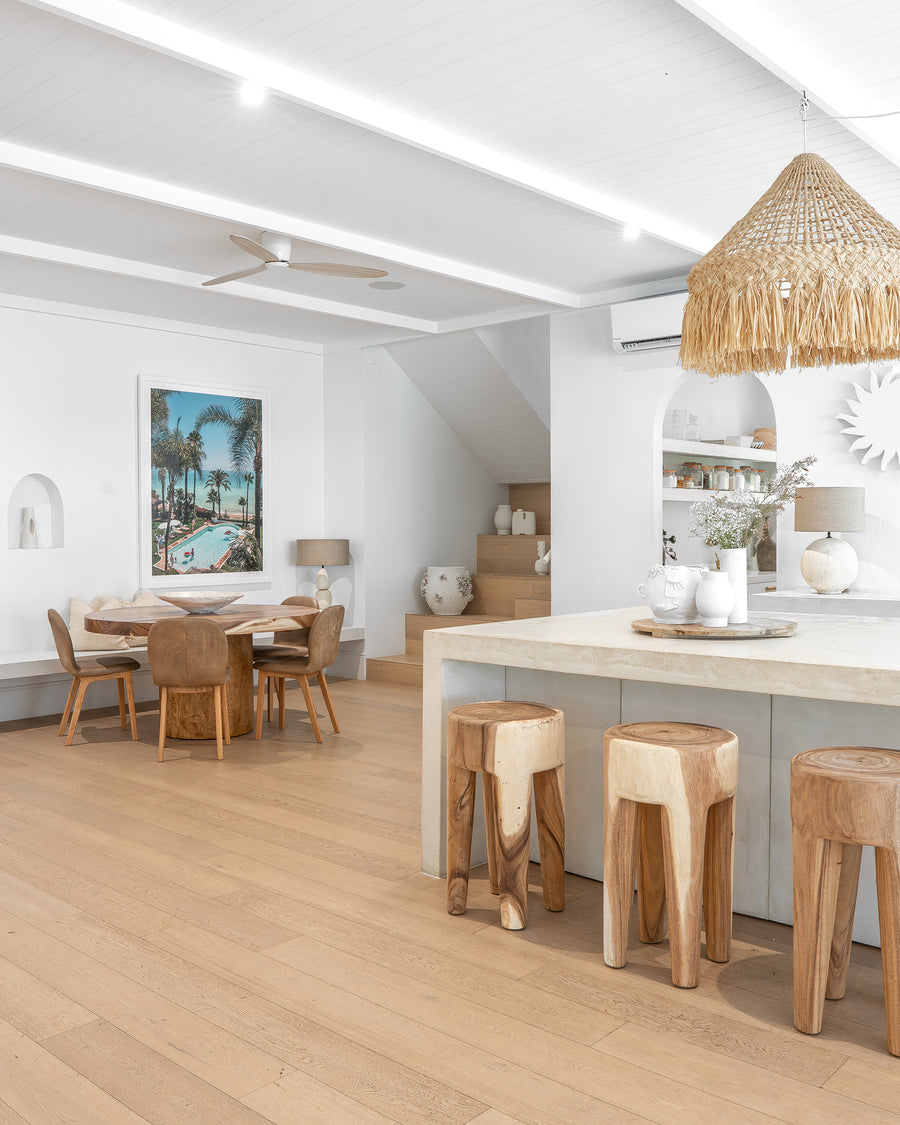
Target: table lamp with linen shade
{"type": "Point", "coordinates": [322, 553]}
{"type": "Point", "coordinates": [829, 565]}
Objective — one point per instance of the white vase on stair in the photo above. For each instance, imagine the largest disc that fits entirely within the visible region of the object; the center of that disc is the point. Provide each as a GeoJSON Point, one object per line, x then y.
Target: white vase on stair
{"type": "Point", "coordinates": [447, 590]}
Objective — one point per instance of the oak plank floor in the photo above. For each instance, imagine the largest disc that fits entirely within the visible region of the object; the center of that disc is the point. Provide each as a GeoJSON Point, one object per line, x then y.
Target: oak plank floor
{"type": "Point", "coordinates": [251, 941]}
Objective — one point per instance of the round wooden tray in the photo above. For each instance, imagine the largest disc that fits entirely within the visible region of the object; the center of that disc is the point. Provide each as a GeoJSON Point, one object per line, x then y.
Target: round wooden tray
{"type": "Point", "coordinates": [753, 627]}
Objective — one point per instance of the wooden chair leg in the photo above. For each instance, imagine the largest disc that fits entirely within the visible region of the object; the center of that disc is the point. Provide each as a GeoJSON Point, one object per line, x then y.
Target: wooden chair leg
{"type": "Point", "coordinates": [163, 706]}
{"type": "Point", "coordinates": [842, 936]}
{"type": "Point", "coordinates": [65, 715]}
{"type": "Point", "coordinates": [620, 846]}
{"type": "Point", "coordinates": [269, 698]}
{"type": "Point", "coordinates": [718, 865]}
{"type": "Point", "coordinates": [129, 691]}
{"type": "Point", "coordinates": [326, 695]}
{"type": "Point", "coordinates": [281, 687]}
{"type": "Point", "coordinates": [260, 703]}
{"type": "Point", "coordinates": [549, 803]}
{"type": "Point", "coordinates": [460, 817]}
{"type": "Point", "coordinates": [311, 707]}
{"type": "Point", "coordinates": [887, 878]}
{"type": "Point", "coordinates": [816, 876]}
{"type": "Point", "coordinates": [683, 856]}
{"type": "Point", "coordinates": [120, 687]}
{"type": "Point", "coordinates": [217, 710]}
{"type": "Point", "coordinates": [512, 796]}
{"type": "Point", "coordinates": [488, 782]}
{"type": "Point", "coordinates": [651, 882]}
{"type": "Point", "coordinates": [226, 718]}
{"type": "Point", "coordinates": [76, 710]}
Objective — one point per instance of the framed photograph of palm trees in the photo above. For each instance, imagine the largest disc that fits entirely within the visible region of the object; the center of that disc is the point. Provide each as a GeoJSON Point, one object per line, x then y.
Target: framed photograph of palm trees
{"type": "Point", "coordinates": [203, 463]}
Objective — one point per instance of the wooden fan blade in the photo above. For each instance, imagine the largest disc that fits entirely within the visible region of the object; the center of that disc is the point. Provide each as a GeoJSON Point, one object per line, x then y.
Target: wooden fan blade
{"type": "Point", "coordinates": [333, 269]}
{"type": "Point", "coordinates": [254, 248]}
{"type": "Point", "coordinates": [234, 276]}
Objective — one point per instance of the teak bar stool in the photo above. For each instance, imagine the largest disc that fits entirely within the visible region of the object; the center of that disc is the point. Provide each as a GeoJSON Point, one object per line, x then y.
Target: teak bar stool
{"type": "Point", "coordinates": [675, 783]}
{"type": "Point", "coordinates": [508, 744]}
{"type": "Point", "coordinates": [843, 797]}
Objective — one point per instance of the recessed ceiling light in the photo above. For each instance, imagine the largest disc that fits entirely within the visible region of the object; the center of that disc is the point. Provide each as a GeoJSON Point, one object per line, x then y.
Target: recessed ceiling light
{"type": "Point", "coordinates": [386, 285]}
{"type": "Point", "coordinates": [253, 93]}
{"type": "Point", "coordinates": [631, 232]}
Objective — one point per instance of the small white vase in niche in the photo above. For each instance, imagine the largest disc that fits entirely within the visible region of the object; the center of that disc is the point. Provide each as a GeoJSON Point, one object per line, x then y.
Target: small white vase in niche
{"type": "Point", "coordinates": [523, 523]}
{"type": "Point", "coordinates": [733, 561]}
{"type": "Point", "coordinates": [670, 592]}
{"type": "Point", "coordinates": [28, 535]}
{"type": "Point", "coordinates": [503, 519]}
{"type": "Point", "coordinates": [542, 566]}
{"type": "Point", "coordinates": [447, 590]}
{"type": "Point", "coordinates": [715, 599]}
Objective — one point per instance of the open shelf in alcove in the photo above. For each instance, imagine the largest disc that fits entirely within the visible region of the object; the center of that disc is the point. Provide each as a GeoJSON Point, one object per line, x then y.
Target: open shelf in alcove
{"type": "Point", "coordinates": [718, 449]}
{"type": "Point", "coordinates": [38, 492]}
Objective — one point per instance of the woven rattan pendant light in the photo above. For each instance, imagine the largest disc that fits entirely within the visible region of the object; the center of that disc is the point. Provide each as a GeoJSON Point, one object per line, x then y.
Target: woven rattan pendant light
{"type": "Point", "coordinates": [810, 276]}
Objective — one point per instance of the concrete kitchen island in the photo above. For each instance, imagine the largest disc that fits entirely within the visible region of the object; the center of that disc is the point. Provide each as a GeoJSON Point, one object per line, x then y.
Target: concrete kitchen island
{"type": "Point", "coordinates": [836, 681]}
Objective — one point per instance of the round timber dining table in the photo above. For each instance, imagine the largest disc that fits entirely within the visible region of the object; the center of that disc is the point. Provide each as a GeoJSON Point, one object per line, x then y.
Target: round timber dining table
{"type": "Point", "coordinates": [191, 716]}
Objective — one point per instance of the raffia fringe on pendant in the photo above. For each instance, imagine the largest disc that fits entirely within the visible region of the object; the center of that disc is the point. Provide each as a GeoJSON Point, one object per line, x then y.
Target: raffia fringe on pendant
{"type": "Point", "coordinates": [810, 277]}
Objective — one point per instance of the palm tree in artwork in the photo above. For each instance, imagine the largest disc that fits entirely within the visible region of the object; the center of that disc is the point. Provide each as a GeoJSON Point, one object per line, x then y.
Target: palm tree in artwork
{"type": "Point", "coordinates": [211, 498]}
{"type": "Point", "coordinates": [246, 554]}
{"type": "Point", "coordinates": [242, 504]}
{"type": "Point", "coordinates": [194, 442]}
{"type": "Point", "coordinates": [169, 452]}
{"type": "Point", "coordinates": [218, 479]}
{"type": "Point", "coordinates": [244, 424]}
{"type": "Point", "coordinates": [247, 478]}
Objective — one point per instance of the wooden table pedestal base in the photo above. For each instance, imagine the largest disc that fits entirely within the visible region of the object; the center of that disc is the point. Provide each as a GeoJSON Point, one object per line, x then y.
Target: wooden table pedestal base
{"type": "Point", "coordinates": [193, 716]}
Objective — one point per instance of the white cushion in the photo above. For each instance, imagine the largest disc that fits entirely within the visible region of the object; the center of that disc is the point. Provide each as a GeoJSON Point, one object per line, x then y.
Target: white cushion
{"type": "Point", "coordinates": [82, 640]}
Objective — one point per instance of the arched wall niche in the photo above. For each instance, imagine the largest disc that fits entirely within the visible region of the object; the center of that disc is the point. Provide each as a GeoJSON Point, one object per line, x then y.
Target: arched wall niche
{"type": "Point", "coordinates": [38, 492]}
{"type": "Point", "coordinates": [725, 407]}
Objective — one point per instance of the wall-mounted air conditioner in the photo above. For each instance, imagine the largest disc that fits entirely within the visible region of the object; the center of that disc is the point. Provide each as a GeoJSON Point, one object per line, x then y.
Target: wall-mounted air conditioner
{"type": "Point", "coordinates": [648, 323]}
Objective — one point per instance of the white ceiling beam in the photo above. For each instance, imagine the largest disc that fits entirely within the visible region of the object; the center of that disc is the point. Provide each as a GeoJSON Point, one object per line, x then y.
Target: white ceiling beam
{"type": "Point", "coordinates": [86, 174]}
{"type": "Point", "coordinates": [772, 41]}
{"type": "Point", "coordinates": [177, 41]}
{"type": "Point", "coordinates": [124, 267]}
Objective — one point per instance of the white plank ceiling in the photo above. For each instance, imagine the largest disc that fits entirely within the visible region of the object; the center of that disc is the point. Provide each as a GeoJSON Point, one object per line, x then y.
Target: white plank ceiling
{"type": "Point", "coordinates": [485, 154]}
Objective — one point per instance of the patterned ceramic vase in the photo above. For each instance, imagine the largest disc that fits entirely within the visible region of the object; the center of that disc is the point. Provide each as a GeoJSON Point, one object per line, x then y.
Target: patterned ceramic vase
{"type": "Point", "coordinates": [447, 590]}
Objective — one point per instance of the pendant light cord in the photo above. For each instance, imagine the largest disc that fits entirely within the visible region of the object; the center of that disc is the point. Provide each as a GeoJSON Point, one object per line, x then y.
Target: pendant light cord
{"type": "Point", "coordinates": [804, 110]}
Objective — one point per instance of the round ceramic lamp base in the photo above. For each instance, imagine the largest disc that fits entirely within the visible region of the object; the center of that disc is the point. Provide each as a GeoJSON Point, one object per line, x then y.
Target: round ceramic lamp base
{"type": "Point", "coordinates": [323, 590]}
{"type": "Point", "coordinates": [829, 565]}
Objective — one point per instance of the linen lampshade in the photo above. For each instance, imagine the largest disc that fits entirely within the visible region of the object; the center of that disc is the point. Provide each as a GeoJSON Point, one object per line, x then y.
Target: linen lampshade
{"type": "Point", "coordinates": [829, 565]}
{"type": "Point", "coordinates": [322, 553]}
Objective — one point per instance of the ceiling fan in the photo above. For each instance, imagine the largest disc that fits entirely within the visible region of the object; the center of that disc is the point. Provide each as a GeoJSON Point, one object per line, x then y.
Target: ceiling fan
{"type": "Point", "coordinates": [275, 251]}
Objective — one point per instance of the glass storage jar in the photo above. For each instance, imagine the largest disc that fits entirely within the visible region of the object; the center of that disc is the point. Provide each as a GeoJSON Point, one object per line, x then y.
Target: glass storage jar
{"type": "Point", "coordinates": [738, 480]}
{"type": "Point", "coordinates": [692, 472]}
{"type": "Point", "coordinates": [723, 478]}
{"type": "Point", "coordinates": [670, 478]}
{"type": "Point", "coordinates": [752, 475]}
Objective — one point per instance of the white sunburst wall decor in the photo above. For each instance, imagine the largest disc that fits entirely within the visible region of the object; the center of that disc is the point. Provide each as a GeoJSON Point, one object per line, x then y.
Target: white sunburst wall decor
{"type": "Point", "coordinates": [874, 418]}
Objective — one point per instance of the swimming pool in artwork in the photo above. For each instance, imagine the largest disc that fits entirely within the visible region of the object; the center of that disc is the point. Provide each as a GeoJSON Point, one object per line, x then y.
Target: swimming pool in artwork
{"type": "Point", "coordinates": [209, 544]}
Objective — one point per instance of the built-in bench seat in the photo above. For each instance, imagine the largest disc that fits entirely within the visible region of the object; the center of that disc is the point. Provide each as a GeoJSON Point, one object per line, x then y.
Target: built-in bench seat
{"type": "Point", "coordinates": [28, 664]}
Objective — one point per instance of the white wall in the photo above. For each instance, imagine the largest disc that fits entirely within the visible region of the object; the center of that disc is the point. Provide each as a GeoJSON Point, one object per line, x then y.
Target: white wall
{"type": "Point", "coordinates": [71, 413]}
{"type": "Point", "coordinates": [605, 410]}
{"type": "Point", "coordinates": [427, 498]}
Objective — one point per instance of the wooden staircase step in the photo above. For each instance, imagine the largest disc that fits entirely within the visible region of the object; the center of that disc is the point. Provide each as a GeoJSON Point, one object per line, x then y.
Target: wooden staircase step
{"type": "Point", "coordinates": [497, 593]}
{"type": "Point", "coordinates": [508, 554]}
{"type": "Point", "coordinates": [418, 623]}
{"type": "Point", "coordinates": [402, 669]}
{"type": "Point", "coordinates": [531, 607]}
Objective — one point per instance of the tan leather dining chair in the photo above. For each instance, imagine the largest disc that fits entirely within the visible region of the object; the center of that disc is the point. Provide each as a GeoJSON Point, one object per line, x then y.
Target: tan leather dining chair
{"type": "Point", "coordinates": [86, 672]}
{"type": "Point", "coordinates": [289, 642]}
{"type": "Point", "coordinates": [189, 655]}
{"type": "Point", "coordinates": [324, 639]}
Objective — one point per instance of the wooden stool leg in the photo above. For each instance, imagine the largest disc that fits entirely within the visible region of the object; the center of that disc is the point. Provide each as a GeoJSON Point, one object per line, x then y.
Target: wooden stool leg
{"type": "Point", "coordinates": [683, 856]}
{"type": "Point", "coordinates": [816, 874]}
{"type": "Point", "coordinates": [651, 883]}
{"type": "Point", "coordinates": [513, 799]}
{"type": "Point", "coordinates": [65, 715]}
{"type": "Point", "coordinates": [310, 707]}
{"type": "Point", "coordinates": [460, 817]}
{"type": "Point", "coordinates": [260, 702]}
{"type": "Point", "coordinates": [163, 705]}
{"type": "Point", "coordinates": [620, 845]}
{"type": "Point", "coordinates": [842, 937]}
{"type": "Point", "coordinates": [488, 782]}
{"type": "Point", "coordinates": [887, 877]}
{"type": "Point", "coordinates": [120, 688]}
{"type": "Point", "coordinates": [549, 803]}
{"type": "Point", "coordinates": [129, 689]}
{"type": "Point", "coordinates": [718, 875]}
{"type": "Point", "coordinates": [76, 710]}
